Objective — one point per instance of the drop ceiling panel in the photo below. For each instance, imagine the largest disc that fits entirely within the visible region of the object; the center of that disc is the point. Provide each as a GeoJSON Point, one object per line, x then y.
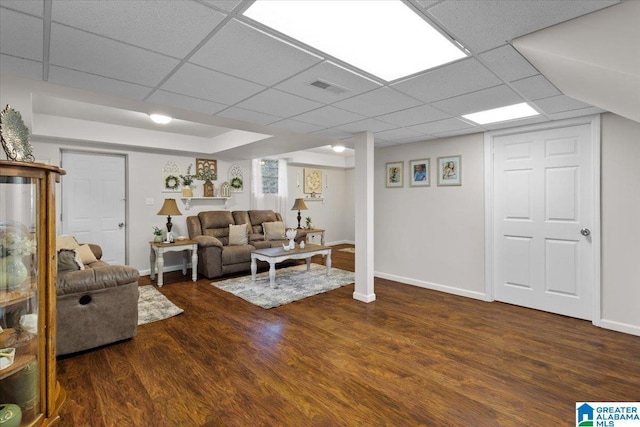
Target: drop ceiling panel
{"type": "Point", "coordinates": [248, 116]}
{"type": "Point", "coordinates": [331, 73]}
{"type": "Point", "coordinates": [440, 126]}
{"type": "Point", "coordinates": [397, 134]}
{"type": "Point", "coordinates": [576, 113]}
{"type": "Point", "coordinates": [334, 133]}
{"type": "Point", "coordinates": [508, 64]}
{"type": "Point", "coordinates": [484, 25]}
{"type": "Point", "coordinates": [245, 52]}
{"type": "Point", "coordinates": [156, 25]}
{"type": "Point", "coordinates": [498, 96]}
{"type": "Point", "coordinates": [91, 82]}
{"type": "Point", "coordinates": [20, 35]}
{"type": "Point", "coordinates": [199, 82]}
{"type": "Point", "coordinates": [296, 126]}
{"type": "Point", "coordinates": [454, 79]}
{"type": "Point", "coordinates": [227, 5]}
{"type": "Point", "coordinates": [378, 102]}
{"type": "Point", "coordinates": [71, 48]}
{"type": "Point", "coordinates": [370, 125]}
{"type": "Point", "coordinates": [162, 97]}
{"type": "Point", "coordinates": [33, 7]}
{"type": "Point", "coordinates": [279, 103]}
{"type": "Point", "coordinates": [329, 116]}
{"type": "Point", "coordinates": [557, 104]}
{"type": "Point", "coordinates": [414, 116]}
{"type": "Point", "coordinates": [535, 87]}
{"type": "Point", "coordinates": [20, 67]}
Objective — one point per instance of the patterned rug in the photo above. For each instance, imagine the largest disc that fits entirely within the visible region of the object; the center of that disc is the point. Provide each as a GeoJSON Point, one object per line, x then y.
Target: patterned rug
{"type": "Point", "coordinates": [153, 306]}
{"type": "Point", "coordinates": [292, 284]}
{"type": "Point", "coordinates": [350, 250]}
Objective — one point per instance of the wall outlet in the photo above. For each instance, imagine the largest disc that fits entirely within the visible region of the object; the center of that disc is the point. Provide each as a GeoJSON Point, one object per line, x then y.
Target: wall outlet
{"type": "Point", "coordinates": [149, 201]}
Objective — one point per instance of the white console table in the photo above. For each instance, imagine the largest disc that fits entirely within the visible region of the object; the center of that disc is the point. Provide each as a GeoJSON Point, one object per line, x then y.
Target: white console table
{"type": "Point", "coordinates": [156, 257]}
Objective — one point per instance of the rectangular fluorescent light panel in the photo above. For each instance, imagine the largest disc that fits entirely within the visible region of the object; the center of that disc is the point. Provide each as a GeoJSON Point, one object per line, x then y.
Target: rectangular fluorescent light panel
{"type": "Point", "coordinates": [502, 114]}
{"type": "Point", "coordinates": [382, 37]}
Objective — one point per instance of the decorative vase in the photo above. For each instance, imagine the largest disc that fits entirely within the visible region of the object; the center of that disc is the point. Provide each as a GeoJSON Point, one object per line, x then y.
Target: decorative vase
{"type": "Point", "coordinates": [12, 273]}
{"type": "Point", "coordinates": [187, 192]}
{"type": "Point", "coordinates": [157, 238]}
{"type": "Point", "coordinates": [10, 415]}
{"type": "Point", "coordinates": [208, 189]}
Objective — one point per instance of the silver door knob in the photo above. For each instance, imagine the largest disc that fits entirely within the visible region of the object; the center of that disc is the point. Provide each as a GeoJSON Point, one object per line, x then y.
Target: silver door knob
{"type": "Point", "coordinates": [121, 225]}
{"type": "Point", "coordinates": [585, 232]}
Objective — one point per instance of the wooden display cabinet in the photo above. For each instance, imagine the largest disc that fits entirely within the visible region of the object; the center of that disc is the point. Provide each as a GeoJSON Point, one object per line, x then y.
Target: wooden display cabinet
{"type": "Point", "coordinates": [27, 291]}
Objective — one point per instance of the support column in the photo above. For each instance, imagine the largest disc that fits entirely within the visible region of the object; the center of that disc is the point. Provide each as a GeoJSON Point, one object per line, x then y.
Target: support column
{"type": "Point", "coordinates": [364, 217]}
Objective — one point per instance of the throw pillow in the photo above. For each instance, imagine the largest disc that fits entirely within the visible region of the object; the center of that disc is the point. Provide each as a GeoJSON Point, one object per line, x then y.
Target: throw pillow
{"type": "Point", "coordinates": [238, 235]}
{"type": "Point", "coordinates": [66, 242]}
{"type": "Point", "coordinates": [273, 230]}
{"type": "Point", "coordinates": [86, 254]}
{"type": "Point", "coordinates": [69, 260]}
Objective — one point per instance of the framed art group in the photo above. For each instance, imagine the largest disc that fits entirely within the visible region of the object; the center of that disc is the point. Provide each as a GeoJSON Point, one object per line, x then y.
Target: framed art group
{"type": "Point", "coordinates": [448, 172]}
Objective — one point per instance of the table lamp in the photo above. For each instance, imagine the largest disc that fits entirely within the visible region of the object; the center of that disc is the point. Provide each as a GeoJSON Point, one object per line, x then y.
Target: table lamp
{"type": "Point", "coordinates": [169, 208]}
{"type": "Point", "coordinates": [299, 205]}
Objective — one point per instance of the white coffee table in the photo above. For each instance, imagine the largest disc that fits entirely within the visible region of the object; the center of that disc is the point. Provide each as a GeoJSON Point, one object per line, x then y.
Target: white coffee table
{"type": "Point", "coordinates": [279, 254]}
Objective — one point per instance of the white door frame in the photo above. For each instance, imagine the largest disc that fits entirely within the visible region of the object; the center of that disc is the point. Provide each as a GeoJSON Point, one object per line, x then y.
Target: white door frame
{"type": "Point", "coordinates": [126, 190]}
{"type": "Point", "coordinates": [594, 122]}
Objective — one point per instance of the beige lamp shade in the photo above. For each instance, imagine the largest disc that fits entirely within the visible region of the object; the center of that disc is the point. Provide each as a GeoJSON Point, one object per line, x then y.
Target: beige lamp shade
{"type": "Point", "coordinates": [299, 205]}
{"type": "Point", "coordinates": [169, 208]}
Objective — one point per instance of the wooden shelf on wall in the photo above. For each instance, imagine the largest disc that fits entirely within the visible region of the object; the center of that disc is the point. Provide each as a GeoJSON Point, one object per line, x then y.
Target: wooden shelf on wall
{"type": "Point", "coordinates": [188, 200]}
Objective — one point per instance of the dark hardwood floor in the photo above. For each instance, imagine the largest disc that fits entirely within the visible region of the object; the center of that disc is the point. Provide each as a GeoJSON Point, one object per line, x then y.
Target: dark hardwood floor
{"type": "Point", "coordinates": [414, 357]}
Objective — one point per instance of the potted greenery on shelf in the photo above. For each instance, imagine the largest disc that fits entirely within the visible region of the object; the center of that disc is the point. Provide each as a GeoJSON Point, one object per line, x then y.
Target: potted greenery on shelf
{"type": "Point", "coordinates": [308, 221]}
{"type": "Point", "coordinates": [157, 234]}
{"type": "Point", "coordinates": [207, 175]}
{"type": "Point", "coordinates": [187, 180]}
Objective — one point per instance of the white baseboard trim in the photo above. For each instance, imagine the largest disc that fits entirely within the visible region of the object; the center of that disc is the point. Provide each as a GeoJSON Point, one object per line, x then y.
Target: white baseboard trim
{"type": "Point", "coordinates": [363, 297]}
{"type": "Point", "coordinates": [166, 269]}
{"type": "Point", "coordinates": [433, 286]}
{"type": "Point", "coordinates": [620, 327]}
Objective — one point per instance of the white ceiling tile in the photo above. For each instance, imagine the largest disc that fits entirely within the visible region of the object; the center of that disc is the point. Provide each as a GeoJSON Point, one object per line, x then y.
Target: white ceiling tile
{"type": "Point", "coordinates": [279, 103]}
{"type": "Point", "coordinates": [169, 27]}
{"type": "Point", "coordinates": [576, 113]}
{"type": "Point", "coordinates": [20, 35]}
{"type": "Point", "coordinates": [440, 126]}
{"type": "Point", "coordinates": [494, 97]}
{"type": "Point", "coordinates": [507, 63]}
{"type": "Point", "coordinates": [71, 48]}
{"type": "Point", "coordinates": [397, 134]}
{"type": "Point", "coordinates": [20, 67]}
{"type": "Point", "coordinates": [560, 103]}
{"type": "Point", "coordinates": [484, 25]}
{"type": "Point", "coordinates": [378, 102]}
{"type": "Point", "coordinates": [32, 7]}
{"type": "Point", "coordinates": [227, 5]}
{"type": "Point", "coordinates": [370, 125]}
{"type": "Point", "coordinates": [73, 78]}
{"type": "Point", "coordinates": [453, 79]}
{"type": "Point", "coordinates": [535, 87]}
{"type": "Point", "coordinates": [248, 116]}
{"type": "Point", "coordinates": [242, 51]}
{"type": "Point", "coordinates": [427, 3]}
{"type": "Point", "coordinates": [330, 73]}
{"type": "Point", "coordinates": [296, 126]}
{"type": "Point", "coordinates": [210, 85]}
{"type": "Point", "coordinates": [334, 133]}
{"type": "Point", "coordinates": [162, 97]}
{"type": "Point", "coordinates": [414, 116]}
{"type": "Point", "coordinates": [328, 117]}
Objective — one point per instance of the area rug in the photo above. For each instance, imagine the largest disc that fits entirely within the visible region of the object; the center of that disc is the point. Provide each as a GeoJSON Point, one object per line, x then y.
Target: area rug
{"type": "Point", "coordinates": [153, 306]}
{"type": "Point", "coordinates": [292, 284]}
{"type": "Point", "coordinates": [349, 250]}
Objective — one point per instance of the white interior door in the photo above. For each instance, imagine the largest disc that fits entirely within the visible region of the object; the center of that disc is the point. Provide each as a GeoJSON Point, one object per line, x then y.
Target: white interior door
{"type": "Point", "coordinates": [94, 203]}
{"type": "Point", "coordinates": [543, 204]}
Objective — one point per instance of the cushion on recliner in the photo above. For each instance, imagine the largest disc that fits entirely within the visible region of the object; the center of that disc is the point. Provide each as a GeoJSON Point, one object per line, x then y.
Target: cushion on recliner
{"type": "Point", "coordinates": [236, 254]}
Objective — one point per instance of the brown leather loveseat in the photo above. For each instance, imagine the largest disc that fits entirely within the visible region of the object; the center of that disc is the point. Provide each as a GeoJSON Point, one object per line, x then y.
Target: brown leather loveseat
{"type": "Point", "coordinates": [219, 254]}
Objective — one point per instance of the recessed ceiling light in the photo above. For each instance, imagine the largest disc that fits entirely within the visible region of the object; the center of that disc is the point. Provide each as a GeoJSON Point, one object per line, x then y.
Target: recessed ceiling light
{"type": "Point", "coordinates": [160, 119]}
{"type": "Point", "coordinates": [384, 38]}
{"type": "Point", "coordinates": [338, 148]}
{"type": "Point", "coordinates": [502, 114]}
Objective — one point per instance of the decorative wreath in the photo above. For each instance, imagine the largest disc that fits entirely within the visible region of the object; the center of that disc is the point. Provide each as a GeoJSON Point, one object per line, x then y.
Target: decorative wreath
{"type": "Point", "coordinates": [236, 183]}
{"type": "Point", "coordinates": [171, 182]}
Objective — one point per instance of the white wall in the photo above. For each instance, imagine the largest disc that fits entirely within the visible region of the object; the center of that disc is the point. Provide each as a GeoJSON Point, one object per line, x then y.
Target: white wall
{"type": "Point", "coordinates": [620, 231]}
{"type": "Point", "coordinates": [432, 236]}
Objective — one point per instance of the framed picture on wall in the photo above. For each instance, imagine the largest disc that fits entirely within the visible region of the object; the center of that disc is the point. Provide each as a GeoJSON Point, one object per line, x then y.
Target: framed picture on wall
{"type": "Point", "coordinates": [312, 181]}
{"type": "Point", "coordinates": [419, 173]}
{"type": "Point", "coordinates": [450, 170]}
{"type": "Point", "coordinates": [209, 165]}
{"type": "Point", "coordinates": [394, 174]}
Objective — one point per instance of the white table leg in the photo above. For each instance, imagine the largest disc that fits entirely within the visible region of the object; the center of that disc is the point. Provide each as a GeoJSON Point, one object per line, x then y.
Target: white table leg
{"type": "Point", "coordinates": [185, 261]}
{"type": "Point", "coordinates": [152, 263]}
{"type": "Point", "coordinates": [194, 265]}
{"type": "Point", "coordinates": [272, 274]}
{"type": "Point", "coordinates": [160, 267]}
{"type": "Point", "coordinates": [308, 263]}
{"type": "Point", "coordinates": [254, 268]}
{"type": "Point", "coordinates": [328, 262]}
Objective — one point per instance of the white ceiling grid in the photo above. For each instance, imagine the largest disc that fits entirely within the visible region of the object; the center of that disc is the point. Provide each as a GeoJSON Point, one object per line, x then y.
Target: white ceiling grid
{"type": "Point", "coordinates": [205, 56]}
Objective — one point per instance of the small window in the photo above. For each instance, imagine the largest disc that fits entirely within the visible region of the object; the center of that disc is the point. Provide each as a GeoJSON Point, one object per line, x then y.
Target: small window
{"type": "Point", "coordinates": [269, 176]}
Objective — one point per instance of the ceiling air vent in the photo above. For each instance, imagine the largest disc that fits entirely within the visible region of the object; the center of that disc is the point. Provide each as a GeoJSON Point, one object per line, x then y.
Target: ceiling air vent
{"type": "Point", "coordinates": [329, 87]}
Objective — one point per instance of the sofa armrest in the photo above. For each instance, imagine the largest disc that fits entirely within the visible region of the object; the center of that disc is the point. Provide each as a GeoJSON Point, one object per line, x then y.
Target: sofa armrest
{"type": "Point", "coordinates": [206, 241]}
